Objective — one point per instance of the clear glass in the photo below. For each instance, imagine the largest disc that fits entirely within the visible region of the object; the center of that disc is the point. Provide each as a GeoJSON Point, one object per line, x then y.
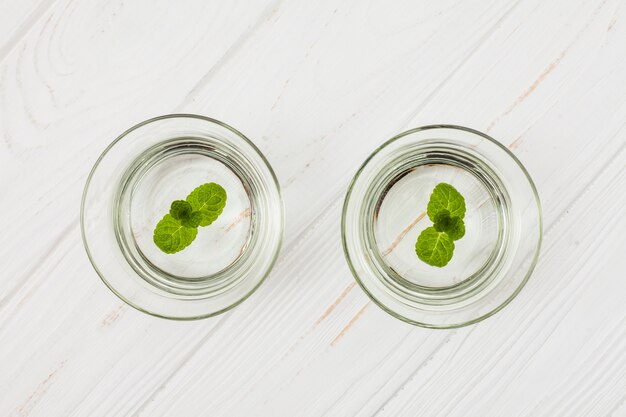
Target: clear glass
{"type": "Point", "coordinates": [131, 188]}
{"type": "Point", "coordinates": [385, 211]}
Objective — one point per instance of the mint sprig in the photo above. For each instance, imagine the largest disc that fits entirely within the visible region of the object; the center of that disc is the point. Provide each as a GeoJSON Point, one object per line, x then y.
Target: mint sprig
{"type": "Point", "coordinates": [446, 197]}
{"type": "Point", "coordinates": [453, 226]}
{"type": "Point", "coordinates": [446, 209]}
{"type": "Point", "coordinates": [180, 209]}
{"type": "Point", "coordinates": [178, 229]}
{"type": "Point", "coordinates": [433, 247]}
{"type": "Point", "coordinates": [171, 236]}
{"type": "Point", "coordinates": [209, 199]}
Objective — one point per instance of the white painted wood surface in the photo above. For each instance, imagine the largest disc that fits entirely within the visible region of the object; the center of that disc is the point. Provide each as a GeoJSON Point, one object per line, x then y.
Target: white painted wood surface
{"type": "Point", "coordinates": [318, 85]}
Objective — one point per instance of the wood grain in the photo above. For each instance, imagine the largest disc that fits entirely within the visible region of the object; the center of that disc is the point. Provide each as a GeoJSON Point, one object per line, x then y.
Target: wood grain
{"type": "Point", "coordinates": [317, 86]}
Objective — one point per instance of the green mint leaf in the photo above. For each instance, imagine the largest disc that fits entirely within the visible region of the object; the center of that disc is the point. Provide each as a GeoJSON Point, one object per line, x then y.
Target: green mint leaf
{"type": "Point", "coordinates": [171, 236]}
{"type": "Point", "coordinates": [208, 199]}
{"type": "Point", "coordinates": [179, 228]}
{"type": "Point", "coordinates": [446, 209]}
{"type": "Point", "coordinates": [193, 220]}
{"type": "Point", "coordinates": [442, 221]}
{"type": "Point", "coordinates": [446, 197]}
{"type": "Point", "coordinates": [453, 226]}
{"type": "Point", "coordinates": [456, 228]}
{"type": "Point", "coordinates": [433, 247]}
{"type": "Point", "coordinates": [180, 210]}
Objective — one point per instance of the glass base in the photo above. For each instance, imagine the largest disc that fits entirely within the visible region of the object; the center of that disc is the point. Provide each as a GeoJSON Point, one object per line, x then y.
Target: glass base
{"type": "Point", "coordinates": [401, 217]}
{"type": "Point", "coordinates": [177, 170]}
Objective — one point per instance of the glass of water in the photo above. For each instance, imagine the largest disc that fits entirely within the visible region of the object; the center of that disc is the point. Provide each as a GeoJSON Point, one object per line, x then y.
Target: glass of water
{"type": "Point", "coordinates": [132, 186]}
{"type": "Point", "coordinates": [385, 211]}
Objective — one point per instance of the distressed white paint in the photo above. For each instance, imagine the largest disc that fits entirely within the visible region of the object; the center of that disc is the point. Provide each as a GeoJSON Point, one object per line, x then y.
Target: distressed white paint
{"type": "Point", "coordinates": [317, 85]}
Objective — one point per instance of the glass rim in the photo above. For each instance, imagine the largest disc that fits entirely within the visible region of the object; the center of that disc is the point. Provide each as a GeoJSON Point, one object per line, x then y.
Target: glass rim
{"type": "Point", "coordinates": [345, 209]}
{"type": "Point", "coordinates": [275, 183]}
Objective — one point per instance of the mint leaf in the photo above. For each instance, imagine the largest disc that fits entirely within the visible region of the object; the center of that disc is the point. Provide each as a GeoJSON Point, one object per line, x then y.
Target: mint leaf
{"type": "Point", "coordinates": [446, 197]}
{"type": "Point", "coordinates": [446, 209]}
{"type": "Point", "coordinates": [208, 199]}
{"type": "Point", "coordinates": [193, 220]}
{"type": "Point", "coordinates": [433, 247]}
{"type": "Point", "coordinates": [180, 209]}
{"type": "Point", "coordinates": [456, 228]}
{"type": "Point", "coordinates": [453, 226]}
{"type": "Point", "coordinates": [179, 228]}
{"type": "Point", "coordinates": [171, 236]}
{"type": "Point", "coordinates": [442, 220]}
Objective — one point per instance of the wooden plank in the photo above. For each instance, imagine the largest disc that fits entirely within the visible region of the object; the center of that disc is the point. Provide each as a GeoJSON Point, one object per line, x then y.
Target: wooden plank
{"type": "Point", "coordinates": [17, 18]}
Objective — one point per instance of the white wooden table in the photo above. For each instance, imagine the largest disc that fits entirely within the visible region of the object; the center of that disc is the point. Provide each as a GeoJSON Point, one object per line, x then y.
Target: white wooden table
{"type": "Point", "coordinates": [317, 85]}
